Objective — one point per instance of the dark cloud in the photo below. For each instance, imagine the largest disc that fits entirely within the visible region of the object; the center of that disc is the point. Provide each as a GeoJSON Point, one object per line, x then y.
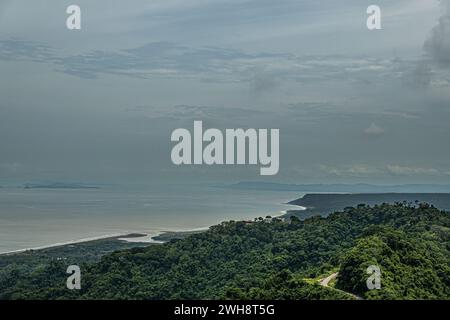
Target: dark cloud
{"type": "Point", "coordinates": [262, 71]}
{"type": "Point", "coordinates": [153, 59]}
{"type": "Point", "coordinates": [263, 82]}
{"type": "Point", "coordinates": [438, 43]}
{"type": "Point", "coordinates": [18, 49]}
{"type": "Point", "coordinates": [419, 76]}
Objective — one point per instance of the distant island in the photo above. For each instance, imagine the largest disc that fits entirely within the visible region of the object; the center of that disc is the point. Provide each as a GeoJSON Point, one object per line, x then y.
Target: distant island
{"type": "Point", "coordinates": [58, 185]}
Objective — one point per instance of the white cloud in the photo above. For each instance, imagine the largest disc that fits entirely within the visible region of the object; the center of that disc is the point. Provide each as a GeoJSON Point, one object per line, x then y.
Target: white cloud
{"type": "Point", "coordinates": [374, 130]}
{"type": "Point", "coordinates": [356, 170]}
{"type": "Point", "coordinates": [404, 170]}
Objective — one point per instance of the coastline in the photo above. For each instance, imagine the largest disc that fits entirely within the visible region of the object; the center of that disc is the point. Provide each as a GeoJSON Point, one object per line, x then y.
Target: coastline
{"type": "Point", "coordinates": [130, 237]}
{"type": "Point", "coordinates": [159, 237]}
{"type": "Point", "coordinates": [134, 237]}
{"type": "Point", "coordinates": [116, 236]}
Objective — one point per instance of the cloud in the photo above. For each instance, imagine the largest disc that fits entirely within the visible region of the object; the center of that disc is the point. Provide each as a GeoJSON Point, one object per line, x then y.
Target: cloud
{"type": "Point", "coordinates": [355, 170]}
{"type": "Point", "coordinates": [438, 43]}
{"type": "Point", "coordinates": [262, 71]}
{"type": "Point", "coordinates": [374, 130]}
{"type": "Point", "coordinates": [23, 50]}
{"type": "Point", "coordinates": [432, 68]}
{"type": "Point", "coordinates": [189, 113]}
{"type": "Point", "coordinates": [404, 170]}
{"type": "Point", "coordinates": [420, 76]}
{"type": "Point", "coordinates": [364, 170]}
{"type": "Point", "coordinates": [263, 82]}
{"type": "Point", "coordinates": [360, 169]}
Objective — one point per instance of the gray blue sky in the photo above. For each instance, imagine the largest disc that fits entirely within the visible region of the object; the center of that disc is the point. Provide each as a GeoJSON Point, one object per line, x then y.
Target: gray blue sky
{"type": "Point", "coordinates": [99, 104]}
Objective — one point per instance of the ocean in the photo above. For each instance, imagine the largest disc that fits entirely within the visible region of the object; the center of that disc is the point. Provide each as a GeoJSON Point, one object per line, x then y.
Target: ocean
{"type": "Point", "coordinates": [33, 218]}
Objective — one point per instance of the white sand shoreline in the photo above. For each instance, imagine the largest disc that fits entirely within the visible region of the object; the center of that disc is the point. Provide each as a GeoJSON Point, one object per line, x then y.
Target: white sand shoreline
{"type": "Point", "coordinates": [122, 236]}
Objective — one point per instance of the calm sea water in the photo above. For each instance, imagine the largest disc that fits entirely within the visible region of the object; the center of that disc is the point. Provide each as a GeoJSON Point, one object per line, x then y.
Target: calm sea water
{"type": "Point", "coordinates": [31, 218]}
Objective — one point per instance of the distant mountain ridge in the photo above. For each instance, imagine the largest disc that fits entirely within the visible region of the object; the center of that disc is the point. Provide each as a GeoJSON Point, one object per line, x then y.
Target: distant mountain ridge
{"type": "Point", "coordinates": [348, 188]}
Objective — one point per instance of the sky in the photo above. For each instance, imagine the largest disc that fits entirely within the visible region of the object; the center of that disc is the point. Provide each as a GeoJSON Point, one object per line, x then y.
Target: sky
{"type": "Point", "coordinates": [99, 104]}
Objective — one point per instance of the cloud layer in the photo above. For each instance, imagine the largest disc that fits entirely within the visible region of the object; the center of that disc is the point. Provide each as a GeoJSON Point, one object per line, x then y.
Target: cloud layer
{"type": "Point", "coordinates": [350, 104]}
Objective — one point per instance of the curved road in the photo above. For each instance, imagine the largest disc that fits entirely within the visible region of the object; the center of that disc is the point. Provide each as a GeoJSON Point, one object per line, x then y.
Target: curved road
{"type": "Point", "coordinates": [325, 281]}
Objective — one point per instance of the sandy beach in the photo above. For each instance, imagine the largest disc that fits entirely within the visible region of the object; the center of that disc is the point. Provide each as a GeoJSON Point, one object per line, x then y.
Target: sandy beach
{"type": "Point", "coordinates": [129, 237]}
